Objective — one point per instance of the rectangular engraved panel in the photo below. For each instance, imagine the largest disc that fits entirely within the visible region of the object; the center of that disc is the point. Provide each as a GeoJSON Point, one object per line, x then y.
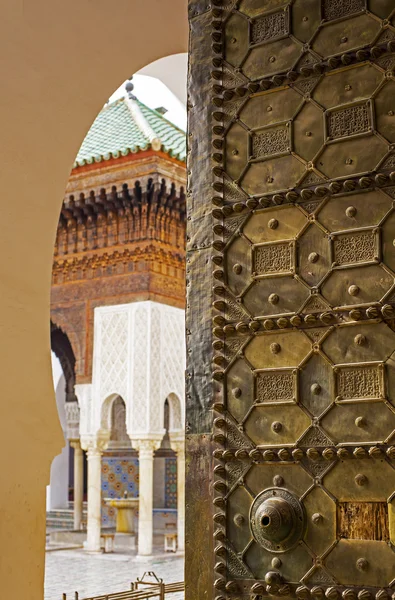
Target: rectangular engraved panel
{"type": "Point", "coordinates": [348, 121]}
{"type": "Point", "coordinates": [335, 9]}
{"type": "Point", "coordinates": [276, 386]}
{"type": "Point", "coordinates": [269, 27]}
{"type": "Point", "coordinates": [359, 382]}
{"type": "Point", "coordinates": [270, 259]}
{"type": "Point", "coordinates": [363, 520]}
{"type": "Point", "coordinates": [360, 246]}
{"type": "Point", "coordinates": [271, 141]}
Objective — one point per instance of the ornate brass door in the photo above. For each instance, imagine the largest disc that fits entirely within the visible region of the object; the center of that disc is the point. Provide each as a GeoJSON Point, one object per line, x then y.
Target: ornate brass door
{"type": "Point", "coordinates": [303, 179]}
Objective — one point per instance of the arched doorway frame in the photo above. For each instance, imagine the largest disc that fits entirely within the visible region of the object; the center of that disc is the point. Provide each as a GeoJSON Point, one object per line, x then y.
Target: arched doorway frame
{"type": "Point", "coordinates": [57, 87]}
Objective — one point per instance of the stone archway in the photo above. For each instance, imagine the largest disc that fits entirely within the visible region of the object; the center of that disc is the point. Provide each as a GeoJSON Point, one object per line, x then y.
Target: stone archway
{"type": "Point", "coordinates": [57, 87]}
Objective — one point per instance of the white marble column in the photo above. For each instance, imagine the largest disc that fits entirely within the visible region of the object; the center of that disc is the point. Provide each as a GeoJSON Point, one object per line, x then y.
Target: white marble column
{"type": "Point", "coordinates": [95, 445]}
{"type": "Point", "coordinates": [94, 499]}
{"type": "Point", "coordinates": [179, 448]}
{"type": "Point", "coordinates": [146, 449]}
{"type": "Point", "coordinates": [78, 483]}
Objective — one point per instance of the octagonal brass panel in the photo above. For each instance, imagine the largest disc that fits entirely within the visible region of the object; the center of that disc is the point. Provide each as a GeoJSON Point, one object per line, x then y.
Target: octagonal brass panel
{"type": "Point", "coordinates": [238, 253]}
{"type": "Point", "coordinates": [275, 296]}
{"type": "Point", "coordinates": [270, 108]}
{"type": "Point", "coordinates": [271, 58]}
{"type": "Point", "coordinates": [344, 157]}
{"type": "Point", "coordinates": [368, 422]}
{"type": "Point", "coordinates": [239, 389]}
{"type": "Point", "coordinates": [316, 385]}
{"type": "Point", "coordinates": [355, 210]}
{"type": "Point", "coordinates": [274, 224]}
{"type": "Point", "coordinates": [344, 344]}
{"type": "Point", "coordinates": [379, 557]}
{"type": "Point", "coordinates": [347, 85]}
{"type": "Point", "coordinates": [345, 35]}
{"type": "Point", "coordinates": [266, 427]}
{"type": "Point", "coordinates": [314, 255]}
{"type": "Point", "coordinates": [321, 520]}
{"type": "Point", "coordinates": [272, 174]}
{"type": "Point", "coordinates": [375, 484]}
{"type": "Point", "coordinates": [308, 134]}
{"type": "Point", "coordinates": [362, 285]}
{"type": "Point", "coordinates": [279, 349]}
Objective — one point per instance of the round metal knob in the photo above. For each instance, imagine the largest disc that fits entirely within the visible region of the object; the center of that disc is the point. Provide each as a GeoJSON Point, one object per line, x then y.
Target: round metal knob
{"type": "Point", "coordinates": [353, 290]}
{"type": "Point", "coordinates": [361, 479]}
{"type": "Point", "coordinates": [360, 421]}
{"type": "Point", "coordinates": [362, 564]}
{"type": "Point", "coordinates": [276, 563]}
{"type": "Point", "coordinates": [236, 392]}
{"type": "Point", "coordinates": [315, 389]}
{"type": "Point", "coordinates": [273, 224]}
{"type": "Point", "coordinates": [277, 426]}
{"type": "Point", "coordinates": [238, 519]}
{"type": "Point", "coordinates": [351, 211]}
{"type": "Point", "coordinates": [316, 518]}
{"type": "Point", "coordinates": [273, 299]}
{"type": "Point", "coordinates": [273, 578]}
{"type": "Point", "coordinates": [313, 257]}
{"type": "Point", "coordinates": [278, 481]}
{"type": "Point", "coordinates": [360, 339]}
{"type": "Point", "coordinates": [275, 348]}
{"type": "Point", "coordinates": [237, 268]}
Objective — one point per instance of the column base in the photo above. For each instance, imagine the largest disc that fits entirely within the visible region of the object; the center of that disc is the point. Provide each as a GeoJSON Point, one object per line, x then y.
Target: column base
{"type": "Point", "coordinates": [89, 550]}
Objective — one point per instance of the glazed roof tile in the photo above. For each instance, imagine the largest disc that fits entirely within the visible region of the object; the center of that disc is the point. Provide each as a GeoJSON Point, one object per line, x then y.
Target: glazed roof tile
{"type": "Point", "coordinates": [129, 126]}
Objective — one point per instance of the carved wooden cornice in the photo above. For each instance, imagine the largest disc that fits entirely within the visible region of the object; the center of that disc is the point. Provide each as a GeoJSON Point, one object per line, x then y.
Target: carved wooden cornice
{"type": "Point", "coordinates": [121, 216]}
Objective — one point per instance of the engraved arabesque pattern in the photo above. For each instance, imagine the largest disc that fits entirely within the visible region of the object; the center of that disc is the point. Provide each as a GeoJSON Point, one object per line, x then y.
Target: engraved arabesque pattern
{"type": "Point", "coordinates": [334, 9]}
{"type": "Point", "coordinates": [359, 382]}
{"type": "Point", "coordinates": [275, 386]}
{"type": "Point", "coordinates": [270, 142]}
{"type": "Point", "coordinates": [273, 258]}
{"type": "Point", "coordinates": [348, 121]}
{"type": "Point", "coordinates": [269, 27]}
{"type": "Point", "coordinates": [358, 247]}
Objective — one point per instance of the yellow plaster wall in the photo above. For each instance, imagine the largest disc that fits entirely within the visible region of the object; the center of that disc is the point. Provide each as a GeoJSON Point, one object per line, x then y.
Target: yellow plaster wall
{"type": "Point", "coordinates": [59, 62]}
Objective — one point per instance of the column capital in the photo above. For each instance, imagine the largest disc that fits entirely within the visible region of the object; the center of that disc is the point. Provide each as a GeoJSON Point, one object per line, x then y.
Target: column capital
{"type": "Point", "coordinates": [146, 445]}
{"type": "Point", "coordinates": [95, 443]}
{"type": "Point", "coordinates": [76, 444]}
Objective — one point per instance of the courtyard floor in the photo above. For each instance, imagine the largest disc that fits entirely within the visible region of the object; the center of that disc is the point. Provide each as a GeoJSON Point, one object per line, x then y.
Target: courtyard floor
{"type": "Point", "coordinates": [69, 571]}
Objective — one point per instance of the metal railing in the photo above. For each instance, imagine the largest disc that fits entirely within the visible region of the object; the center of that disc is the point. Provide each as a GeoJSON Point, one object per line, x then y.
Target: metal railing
{"type": "Point", "coordinates": [149, 586]}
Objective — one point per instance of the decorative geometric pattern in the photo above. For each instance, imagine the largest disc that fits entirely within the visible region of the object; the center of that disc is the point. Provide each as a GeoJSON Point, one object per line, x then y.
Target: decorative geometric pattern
{"type": "Point", "coordinates": [304, 228]}
{"type": "Point", "coordinates": [348, 121]}
{"type": "Point", "coordinates": [121, 473]}
{"type": "Point", "coordinates": [118, 474]}
{"type": "Point", "coordinates": [170, 482]}
{"type": "Point", "coordinates": [112, 329]}
{"type": "Point", "coordinates": [139, 354]}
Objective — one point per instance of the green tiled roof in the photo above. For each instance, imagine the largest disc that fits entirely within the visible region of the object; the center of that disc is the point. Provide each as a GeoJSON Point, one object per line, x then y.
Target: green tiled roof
{"type": "Point", "coordinates": [117, 131]}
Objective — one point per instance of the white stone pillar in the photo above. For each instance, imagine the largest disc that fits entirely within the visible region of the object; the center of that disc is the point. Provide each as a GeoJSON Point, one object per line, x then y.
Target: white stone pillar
{"type": "Point", "coordinates": [146, 449]}
{"type": "Point", "coordinates": [94, 500]}
{"type": "Point", "coordinates": [95, 447]}
{"type": "Point", "coordinates": [78, 483]}
{"type": "Point", "coordinates": [179, 448]}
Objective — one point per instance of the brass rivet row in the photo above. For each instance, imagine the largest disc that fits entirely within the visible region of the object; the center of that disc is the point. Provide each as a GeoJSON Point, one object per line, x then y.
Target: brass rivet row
{"type": "Point", "coordinates": [296, 454]}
